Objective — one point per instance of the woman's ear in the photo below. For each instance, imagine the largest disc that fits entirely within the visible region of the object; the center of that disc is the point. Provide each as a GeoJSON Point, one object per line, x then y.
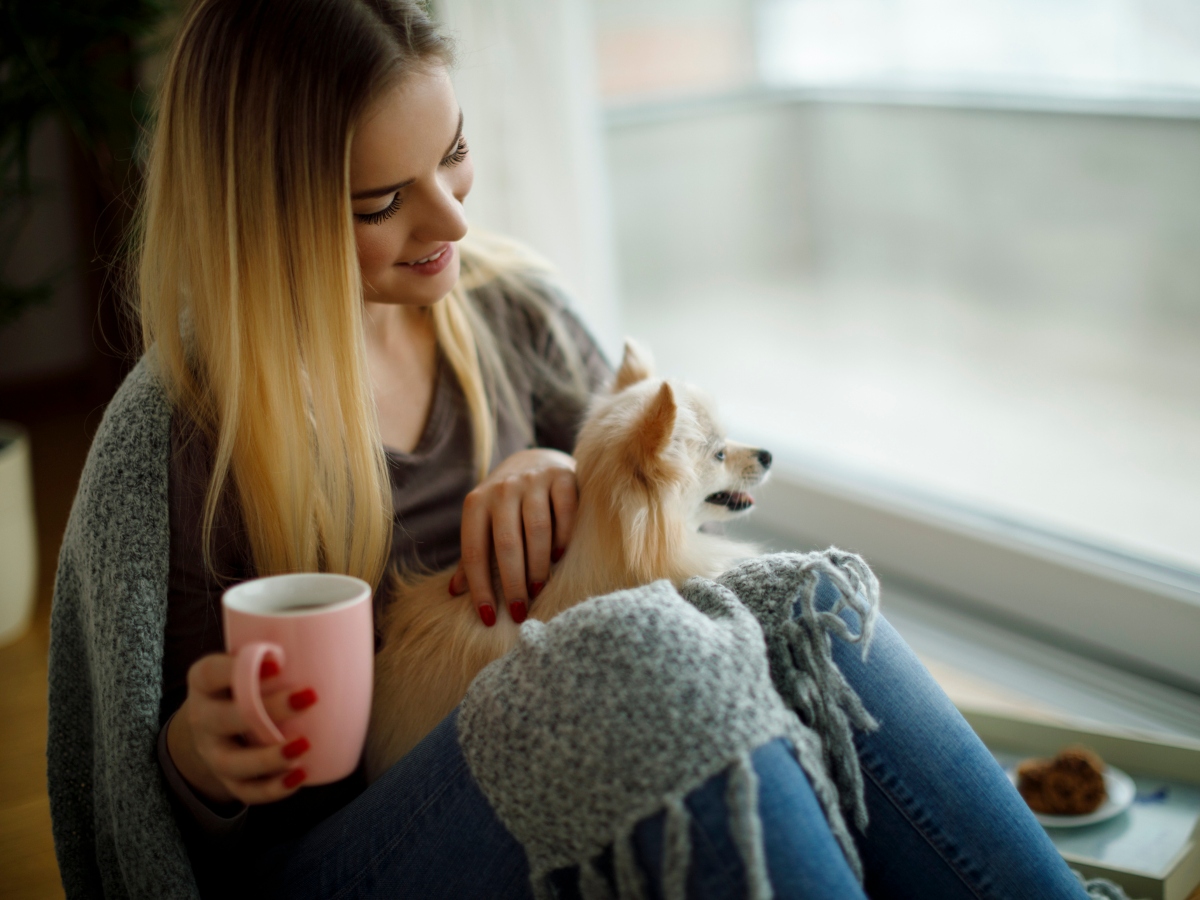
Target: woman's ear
{"type": "Point", "coordinates": [636, 365]}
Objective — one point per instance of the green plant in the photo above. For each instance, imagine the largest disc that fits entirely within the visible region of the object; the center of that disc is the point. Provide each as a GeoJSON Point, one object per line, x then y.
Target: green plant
{"type": "Point", "coordinates": [75, 59]}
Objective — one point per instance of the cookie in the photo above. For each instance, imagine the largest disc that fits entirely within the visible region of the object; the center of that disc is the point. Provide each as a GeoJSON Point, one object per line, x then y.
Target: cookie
{"type": "Point", "coordinates": [1071, 784]}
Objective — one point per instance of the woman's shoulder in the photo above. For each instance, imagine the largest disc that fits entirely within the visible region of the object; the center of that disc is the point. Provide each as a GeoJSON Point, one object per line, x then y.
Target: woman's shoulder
{"type": "Point", "coordinates": [134, 436]}
{"type": "Point", "coordinates": [530, 311]}
{"type": "Point", "coordinates": [125, 476]}
{"type": "Point", "coordinates": [518, 299]}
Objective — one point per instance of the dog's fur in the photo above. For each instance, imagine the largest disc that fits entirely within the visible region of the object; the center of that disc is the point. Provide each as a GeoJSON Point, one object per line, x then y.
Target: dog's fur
{"type": "Point", "coordinates": [652, 466]}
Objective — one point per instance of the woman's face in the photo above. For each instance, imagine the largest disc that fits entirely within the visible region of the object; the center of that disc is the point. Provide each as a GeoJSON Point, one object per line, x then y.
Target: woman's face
{"type": "Point", "coordinates": [409, 174]}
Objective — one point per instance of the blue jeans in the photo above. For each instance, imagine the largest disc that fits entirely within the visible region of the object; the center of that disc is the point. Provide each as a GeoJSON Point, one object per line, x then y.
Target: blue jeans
{"type": "Point", "coordinates": [944, 820]}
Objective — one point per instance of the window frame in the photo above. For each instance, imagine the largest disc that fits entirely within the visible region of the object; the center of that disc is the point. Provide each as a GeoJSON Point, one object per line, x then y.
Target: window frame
{"type": "Point", "coordinates": [1128, 612]}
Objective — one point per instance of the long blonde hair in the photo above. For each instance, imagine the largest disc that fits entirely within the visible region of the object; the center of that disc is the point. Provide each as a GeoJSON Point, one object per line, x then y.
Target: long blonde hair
{"type": "Point", "coordinates": [248, 283]}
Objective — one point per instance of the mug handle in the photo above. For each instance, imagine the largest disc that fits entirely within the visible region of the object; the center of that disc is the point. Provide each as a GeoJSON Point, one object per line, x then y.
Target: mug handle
{"type": "Point", "coordinates": [247, 690]}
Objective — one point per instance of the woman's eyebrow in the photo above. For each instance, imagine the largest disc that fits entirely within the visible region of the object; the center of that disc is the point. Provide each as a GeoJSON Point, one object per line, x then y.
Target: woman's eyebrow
{"type": "Point", "coordinates": [392, 188]}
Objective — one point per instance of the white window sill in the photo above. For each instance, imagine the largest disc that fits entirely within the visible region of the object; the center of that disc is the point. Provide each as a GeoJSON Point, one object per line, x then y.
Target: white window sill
{"type": "Point", "coordinates": [984, 665]}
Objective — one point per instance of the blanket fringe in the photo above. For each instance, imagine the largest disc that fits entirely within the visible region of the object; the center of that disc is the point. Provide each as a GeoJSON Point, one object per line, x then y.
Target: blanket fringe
{"type": "Point", "coordinates": [630, 883]}
{"type": "Point", "coordinates": [799, 650]}
{"type": "Point", "coordinates": [781, 590]}
{"type": "Point", "coordinates": [741, 799]}
{"type": "Point", "coordinates": [677, 849]}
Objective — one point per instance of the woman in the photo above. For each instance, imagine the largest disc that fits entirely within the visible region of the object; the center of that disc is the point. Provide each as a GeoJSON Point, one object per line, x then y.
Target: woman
{"type": "Point", "coordinates": [335, 380]}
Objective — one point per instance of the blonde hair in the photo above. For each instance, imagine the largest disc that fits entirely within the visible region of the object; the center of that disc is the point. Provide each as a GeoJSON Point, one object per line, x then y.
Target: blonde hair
{"type": "Point", "coordinates": [248, 284]}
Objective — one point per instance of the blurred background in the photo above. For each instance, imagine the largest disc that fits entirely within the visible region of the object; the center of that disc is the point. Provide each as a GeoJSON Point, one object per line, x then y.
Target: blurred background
{"type": "Point", "coordinates": [945, 250]}
{"type": "Point", "coordinates": [949, 244]}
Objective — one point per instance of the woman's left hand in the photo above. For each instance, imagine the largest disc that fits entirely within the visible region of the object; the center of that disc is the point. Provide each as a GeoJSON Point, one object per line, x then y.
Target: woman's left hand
{"type": "Point", "coordinates": [524, 511]}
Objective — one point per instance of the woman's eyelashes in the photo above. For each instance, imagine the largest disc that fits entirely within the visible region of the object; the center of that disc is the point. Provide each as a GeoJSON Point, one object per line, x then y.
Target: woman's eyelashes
{"type": "Point", "coordinates": [386, 213]}
{"type": "Point", "coordinates": [459, 154]}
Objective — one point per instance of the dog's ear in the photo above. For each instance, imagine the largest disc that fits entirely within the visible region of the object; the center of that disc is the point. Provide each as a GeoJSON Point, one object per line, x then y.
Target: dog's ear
{"type": "Point", "coordinates": [636, 365]}
{"type": "Point", "coordinates": [656, 427]}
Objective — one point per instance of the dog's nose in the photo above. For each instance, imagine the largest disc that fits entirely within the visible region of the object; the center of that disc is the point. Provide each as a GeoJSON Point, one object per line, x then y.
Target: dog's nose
{"type": "Point", "coordinates": [764, 459]}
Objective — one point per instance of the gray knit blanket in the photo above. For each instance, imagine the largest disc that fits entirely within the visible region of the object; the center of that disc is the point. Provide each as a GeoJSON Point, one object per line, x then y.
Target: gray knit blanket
{"type": "Point", "coordinates": [651, 693]}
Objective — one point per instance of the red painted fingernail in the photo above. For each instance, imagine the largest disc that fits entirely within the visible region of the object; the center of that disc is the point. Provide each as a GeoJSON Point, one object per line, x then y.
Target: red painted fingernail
{"type": "Point", "coordinates": [302, 699]}
{"type": "Point", "coordinates": [268, 669]}
{"type": "Point", "coordinates": [516, 609]}
{"type": "Point", "coordinates": [488, 614]}
{"type": "Point", "coordinates": [295, 748]}
{"type": "Point", "coordinates": [535, 589]}
{"type": "Point", "coordinates": [556, 554]}
{"type": "Point", "coordinates": [294, 777]}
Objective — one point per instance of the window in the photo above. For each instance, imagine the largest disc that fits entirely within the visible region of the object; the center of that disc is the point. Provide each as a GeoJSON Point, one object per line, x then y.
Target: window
{"type": "Point", "coordinates": [1087, 49]}
{"type": "Point", "coordinates": [940, 258]}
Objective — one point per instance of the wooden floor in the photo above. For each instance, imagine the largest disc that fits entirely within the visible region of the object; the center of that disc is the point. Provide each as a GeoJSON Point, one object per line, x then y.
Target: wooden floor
{"type": "Point", "coordinates": [27, 866]}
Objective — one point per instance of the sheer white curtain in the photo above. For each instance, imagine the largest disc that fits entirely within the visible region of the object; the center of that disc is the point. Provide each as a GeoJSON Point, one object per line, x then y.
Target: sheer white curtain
{"type": "Point", "coordinates": [526, 81]}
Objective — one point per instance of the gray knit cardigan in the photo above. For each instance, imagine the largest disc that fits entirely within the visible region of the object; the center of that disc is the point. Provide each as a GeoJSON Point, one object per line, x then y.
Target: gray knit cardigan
{"type": "Point", "coordinates": [114, 830]}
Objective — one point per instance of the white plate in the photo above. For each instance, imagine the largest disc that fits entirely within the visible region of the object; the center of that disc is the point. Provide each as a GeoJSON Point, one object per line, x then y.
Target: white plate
{"type": "Point", "coordinates": [1121, 792]}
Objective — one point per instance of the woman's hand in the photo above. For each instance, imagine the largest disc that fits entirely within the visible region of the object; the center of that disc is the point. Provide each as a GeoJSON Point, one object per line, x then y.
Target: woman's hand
{"type": "Point", "coordinates": [205, 736]}
{"type": "Point", "coordinates": [524, 511]}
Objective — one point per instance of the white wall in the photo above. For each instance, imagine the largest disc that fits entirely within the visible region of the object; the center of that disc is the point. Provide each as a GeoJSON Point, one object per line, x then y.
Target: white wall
{"type": "Point", "coordinates": [525, 78]}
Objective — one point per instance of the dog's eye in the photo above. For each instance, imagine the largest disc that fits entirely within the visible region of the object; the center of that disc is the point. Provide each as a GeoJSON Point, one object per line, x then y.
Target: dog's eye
{"type": "Point", "coordinates": [720, 456]}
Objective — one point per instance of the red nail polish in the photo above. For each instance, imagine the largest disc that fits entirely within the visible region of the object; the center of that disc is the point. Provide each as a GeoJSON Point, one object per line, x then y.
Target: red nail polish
{"type": "Point", "coordinates": [488, 614]}
{"type": "Point", "coordinates": [556, 554]}
{"type": "Point", "coordinates": [302, 699]}
{"type": "Point", "coordinates": [535, 589]}
{"type": "Point", "coordinates": [516, 609]}
{"type": "Point", "coordinates": [294, 777]}
{"type": "Point", "coordinates": [268, 669]}
{"type": "Point", "coordinates": [295, 748]}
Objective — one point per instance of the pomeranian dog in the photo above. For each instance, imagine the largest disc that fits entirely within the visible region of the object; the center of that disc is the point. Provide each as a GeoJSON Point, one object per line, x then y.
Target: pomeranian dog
{"type": "Point", "coordinates": [652, 467]}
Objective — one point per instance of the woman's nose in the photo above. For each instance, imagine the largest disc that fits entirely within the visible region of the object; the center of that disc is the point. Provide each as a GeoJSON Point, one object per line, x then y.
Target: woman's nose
{"type": "Point", "coordinates": [442, 217]}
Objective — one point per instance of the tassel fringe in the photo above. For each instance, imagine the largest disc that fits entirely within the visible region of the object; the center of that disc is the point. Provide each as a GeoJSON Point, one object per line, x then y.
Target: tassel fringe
{"type": "Point", "coordinates": [677, 849]}
{"type": "Point", "coordinates": [741, 799]}
{"type": "Point", "coordinates": [631, 885]}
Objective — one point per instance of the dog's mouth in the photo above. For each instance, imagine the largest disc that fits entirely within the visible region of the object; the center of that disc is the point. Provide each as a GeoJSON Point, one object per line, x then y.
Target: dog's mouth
{"type": "Point", "coordinates": [732, 500]}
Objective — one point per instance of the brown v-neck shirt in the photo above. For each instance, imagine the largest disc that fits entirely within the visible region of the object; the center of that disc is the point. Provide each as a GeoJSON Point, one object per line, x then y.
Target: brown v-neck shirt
{"type": "Point", "coordinates": [428, 485]}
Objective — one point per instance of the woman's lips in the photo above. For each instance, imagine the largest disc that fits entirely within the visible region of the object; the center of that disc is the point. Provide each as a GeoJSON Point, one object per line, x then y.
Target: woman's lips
{"type": "Point", "coordinates": [432, 264]}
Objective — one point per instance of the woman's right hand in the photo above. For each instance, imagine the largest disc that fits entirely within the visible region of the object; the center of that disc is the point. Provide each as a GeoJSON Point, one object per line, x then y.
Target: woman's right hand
{"type": "Point", "coordinates": [206, 743]}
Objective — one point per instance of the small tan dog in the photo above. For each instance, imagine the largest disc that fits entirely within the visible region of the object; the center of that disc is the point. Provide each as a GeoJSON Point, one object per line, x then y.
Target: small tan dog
{"type": "Point", "coordinates": [652, 466]}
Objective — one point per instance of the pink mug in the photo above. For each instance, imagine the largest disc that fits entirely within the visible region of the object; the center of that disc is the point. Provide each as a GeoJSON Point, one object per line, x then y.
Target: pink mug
{"type": "Point", "coordinates": [319, 629]}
